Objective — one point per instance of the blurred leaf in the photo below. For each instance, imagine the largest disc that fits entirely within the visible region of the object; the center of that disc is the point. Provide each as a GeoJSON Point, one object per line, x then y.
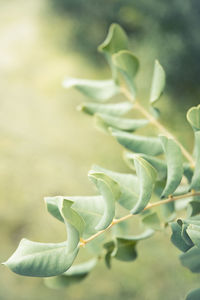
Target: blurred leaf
{"type": "Point", "coordinates": [151, 220]}
{"type": "Point", "coordinates": [193, 208]}
{"type": "Point", "coordinates": [115, 41]}
{"type": "Point", "coordinates": [195, 183]}
{"type": "Point", "coordinates": [137, 143]}
{"type": "Point", "coordinates": [177, 238]}
{"type": "Point", "coordinates": [191, 259]}
{"type": "Point", "coordinates": [124, 248]}
{"type": "Point", "coordinates": [105, 121]}
{"type": "Point", "coordinates": [147, 176]}
{"type": "Point", "coordinates": [74, 275]}
{"type": "Point", "coordinates": [174, 165]}
{"type": "Point", "coordinates": [99, 90]}
{"type": "Point", "coordinates": [40, 259]}
{"type": "Point", "coordinates": [109, 189]}
{"type": "Point", "coordinates": [128, 184]}
{"type": "Point", "coordinates": [194, 233]}
{"type": "Point", "coordinates": [193, 295]}
{"type": "Point", "coordinates": [113, 109]}
{"type": "Point", "coordinates": [158, 83]}
{"type": "Point", "coordinates": [157, 163]}
{"type": "Point", "coordinates": [193, 117]}
{"type": "Point", "coordinates": [128, 66]}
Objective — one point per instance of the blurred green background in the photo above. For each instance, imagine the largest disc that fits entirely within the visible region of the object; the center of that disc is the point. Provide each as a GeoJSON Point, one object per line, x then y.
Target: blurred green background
{"type": "Point", "coordinates": [47, 147]}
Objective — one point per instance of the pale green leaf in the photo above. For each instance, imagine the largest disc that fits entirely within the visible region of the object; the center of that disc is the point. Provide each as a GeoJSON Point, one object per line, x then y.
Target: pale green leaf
{"type": "Point", "coordinates": [139, 144]}
{"type": "Point", "coordinates": [115, 41]}
{"type": "Point", "coordinates": [104, 122]}
{"type": "Point", "coordinates": [195, 183]}
{"type": "Point", "coordinates": [174, 165]}
{"type": "Point", "coordinates": [52, 204]}
{"type": "Point", "coordinates": [158, 83]}
{"type": "Point", "coordinates": [157, 163]}
{"type": "Point", "coordinates": [191, 259]}
{"type": "Point", "coordinates": [147, 177]}
{"type": "Point", "coordinates": [127, 64]}
{"type": "Point", "coordinates": [128, 184]}
{"type": "Point", "coordinates": [194, 233]}
{"type": "Point", "coordinates": [99, 90]}
{"type": "Point", "coordinates": [193, 295]}
{"type": "Point", "coordinates": [109, 189]}
{"type": "Point", "coordinates": [40, 259]}
{"type": "Point", "coordinates": [151, 220]}
{"type": "Point", "coordinates": [74, 275]}
{"type": "Point", "coordinates": [193, 117]}
{"type": "Point", "coordinates": [113, 109]}
{"type": "Point", "coordinates": [193, 208]}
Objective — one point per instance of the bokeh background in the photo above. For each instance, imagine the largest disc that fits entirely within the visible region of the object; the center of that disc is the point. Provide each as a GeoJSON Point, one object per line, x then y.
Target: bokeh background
{"type": "Point", "coordinates": [47, 147]}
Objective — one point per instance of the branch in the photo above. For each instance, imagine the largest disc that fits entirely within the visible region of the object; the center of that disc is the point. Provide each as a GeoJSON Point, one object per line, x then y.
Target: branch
{"type": "Point", "coordinates": [149, 206]}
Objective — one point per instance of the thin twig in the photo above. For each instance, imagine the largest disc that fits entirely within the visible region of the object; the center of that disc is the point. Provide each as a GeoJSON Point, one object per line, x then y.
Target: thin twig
{"type": "Point", "coordinates": [149, 206]}
{"type": "Point", "coordinates": [156, 123]}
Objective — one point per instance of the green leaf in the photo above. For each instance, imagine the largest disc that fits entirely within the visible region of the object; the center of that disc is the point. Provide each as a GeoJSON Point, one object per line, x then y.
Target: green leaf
{"type": "Point", "coordinates": [41, 260]}
{"type": "Point", "coordinates": [109, 189]}
{"type": "Point", "coordinates": [115, 41]}
{"type": "Point", "coordinates": [174, 165]}
{"type": "Point", "coordinates": [52, 204]}
{"type": "Point", "coordinates": [193, 295]}
{"type": "Point", "coordinates": [177, 238]}
{"type": "Point", "coordinates": [194, 233]}
{"type": "Point", "coordinates": [193, 208]}
{"type": "Point", "coordinates": [147, 177]}
{"type": "Point", "coordinates": [193, 117]}
{"type": "Point", "coordinates": [158, 83]}
{"type": "Point", "coordinates": [109, 247]}
{"type": "Point", "coordinates": [105, 121]}
{"type": "Point", "coordinates": [191, 259]}
{"type": "Point", "coordinates": [99, 90]}
{"type": "Point", "coordinates": [157, 163]}
{"type": "Point", "coordinates": [139, 144]}
{"type": "Point", "coordinates": [127, 64]}
{"type": "Point", "coordinates": [113, 109]}
{"type": "Point", "coordinates": [151, 220]}
{"type": "Point", "coordinates": [124, 248]}
{"type": "Point", "coordinates": [195, 183]}
{"type": "Point", "coordinates": [128, 184]}
{"type": "Point", "coordinates": [74, 275]}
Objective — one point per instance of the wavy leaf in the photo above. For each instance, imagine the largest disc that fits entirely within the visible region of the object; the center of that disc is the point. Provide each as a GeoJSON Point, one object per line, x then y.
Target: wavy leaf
{"type": "Point", "coordinates": [109, 189]}
{"type": "Point", "coordinates": [147, 177]}
{"type": "Point", "coordinates": [177, 238]}
{"type": "Point", "coordinates": [157, 163]}
{"type": "Point", "coordinates": [124, 248]}
{"type": "Point", "coordinates": [193, 117]}
{"type": "Point", "coordinates": [115, 41]}
{"type": "Point", "coordinates": [74, 275]}
{"type": "Point", "coordinates": [194, 234]}
{"type": "Point", "coordinates": [128, 184]}
{"type": "Point", "coordinates": [113, 109]}
{"type": "Point", "coordinates": [99, 90]}
{"type": "Point", "coordinates": [40, 259]}
{"type": "Point", "coordinates": [174, 165]}
{"type": "Point", "coordinates": [104, 122]}
{"type": "Point", "coordinates": [158, 83]}
{"type": "Point", "coordinates": [127, 64]}
{"type": "Point", "coordinates": [139, 144]}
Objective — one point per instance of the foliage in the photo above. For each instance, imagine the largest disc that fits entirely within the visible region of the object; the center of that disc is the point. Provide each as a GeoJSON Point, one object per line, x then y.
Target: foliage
{"type": "Point", "coordinates": [168, 177]}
